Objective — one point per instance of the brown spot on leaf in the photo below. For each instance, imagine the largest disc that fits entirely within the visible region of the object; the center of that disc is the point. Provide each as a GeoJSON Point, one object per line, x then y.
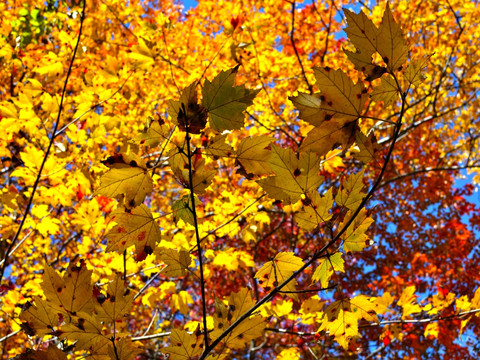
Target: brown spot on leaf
{"type": "Point", "coordinates": [81, 324]}
{"type": "Point", "coordinates": [148, 250]}
{"type": "Point", "coordinates": [141, 236]}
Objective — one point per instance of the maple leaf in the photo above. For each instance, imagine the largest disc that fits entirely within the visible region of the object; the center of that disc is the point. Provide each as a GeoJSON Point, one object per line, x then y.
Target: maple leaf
{"type": "Point", "coordinates": [52, 353]}
{"type": "Point", "coordinates": [328, 136]}
{"type": "Point", "coordinates": [186, 112]}
{"type": "Point", "coordinates": [326, 267]}
{"type": "Point", "coordinates": [249, 329]}
{"type": "Point", "coordinates": [155, 132]}
{"type": "Point", "coordinates": [84, 329]}
{"type": "Point", "coordinates": [340, 99]}
{"type": "Point", "coordinates": [217, 147]}
{"type": "Point", "coordinates": [177, 261]}
{"type": "Point", "coordinates": [135, 227]}
{"type": "Point", "coordinates": [387, 40]}
{"type": "Point", "coordinates": [364, 307]}
{"type": "Point", "coordinates": [201, 176]}
{"type": "Point", "coordinates": [387, 91]}
{"type": "Point", "coordinates": [124, 350]}
{"type": "Point", "coordinates": [117, 302]}
{"type": "Point", "coordinates": [253, 154]}
{"type": "Point", "coordinates": [73, 292]}
{"type": "Point", "coordinates": [294, 176]}
{"type": "Point", "coordinates": [354, 237]}
{"type": "Point", "coordinates": [343, 316]}
{"type": "Point", "coordinates": [315, 211]}
{"type": "Point", "coordinates": [182, 209]}
{"type": "Point", "coordinates": [368, 146]}
{"type": "Point", "coordinates": [350, 194]}
{"type": "Point", "coordinates": [341, 324]}
{"type": "Point", "coordinates": [408, 302]}
{"type": "Point", "coordinates": [142, 56]}
{"type": "Point", "coordinates": [414, 71]}
{"type": "Point", "coordinates": [274, 272]}
{"type": "Point", "coordinates": [128, 177]}
{"type": "Point", "coordinates": [39, 319]}
{"type": "Point", "coordinates": [225, 102]}
{"type": "Point", "coordinates": [184, 346]}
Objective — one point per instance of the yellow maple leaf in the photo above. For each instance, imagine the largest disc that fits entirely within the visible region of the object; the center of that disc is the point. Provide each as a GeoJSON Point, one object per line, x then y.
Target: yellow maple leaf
{"type": "Point", "coordinates": [117, 302]}
{"type": "Point", "coordinates": [294, 176]}
{"type": "Point", "coordinates": [184, 346]}
{"type": "Point", "coordinates": [128, 177]}
{"type": "Point", "coordinates": [276, 271]}
{"type": "Point", "coordinates": [135, 227]}
{"type": "Point", "coordinates": [408, 302]}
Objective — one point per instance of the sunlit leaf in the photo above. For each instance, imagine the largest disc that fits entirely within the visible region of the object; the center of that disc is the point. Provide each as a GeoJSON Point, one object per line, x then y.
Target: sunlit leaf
{"type": "Point", "coordinates": [294, 176]}
{"type": "Point", "coordinates": [326, 267]}
{"type": "Point", "coordinates": [134, 227]}
{"type": "Point", "coordinates": [354, 237]}
{"type": "Point", "coordinates": [315, 211]}
{"type": "Point", "coordinates": [117, 303]}
{"type": "Point", "coordinates": [127, 178]}
{"type": "Point", "coordinates": [253, 154]}
{"type": "Point", "coordinates": [276, 271]}
{"type": "Point", "coordinates": [184, 346]}
{"type": "Point", "coordinates": [339, 99]}
{"type": "Point", "coordinates": [226, 102]}
{"type": "Point", "coordinates": [350, 194]}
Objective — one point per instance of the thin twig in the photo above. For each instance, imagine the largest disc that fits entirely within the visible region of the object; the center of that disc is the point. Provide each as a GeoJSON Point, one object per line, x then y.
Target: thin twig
{"type": "Point", "coordinates": [292, 40]}
{"type": "Point", "coordinates": [195, 223]}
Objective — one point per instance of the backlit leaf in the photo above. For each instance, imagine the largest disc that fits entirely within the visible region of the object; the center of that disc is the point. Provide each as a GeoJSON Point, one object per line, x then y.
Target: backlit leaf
{"type": "Point", "coordinates": [414, 71]}
{"type": "Point", "coordinates": [251, 328]}
{"type": "Point", "coordinates": [340, 99]}
{"type": "Point", "coordinates": [184, 346]}
{"type": "Point", "coordinates": [177, 261]}
{"type": "Point", "coordinates": [253, 154]}
{"type": "Point", "coordinates": [294, 176]}
{"type": "Point", "coordinates": [274, 272]}
{"type": "Point", "coordinates": [368, 146]}
{"type": "Point", "coordinates": [226, 102]}
{"type": "Point", "coordinates": [135, 227]}
{"type": "Point", "coordinates": [328, 136]}
{"type": "Point", "coordinates": [39, 319]}
{"type": "Point", "coordinates": [118, 301]}
{"type": "Point", "coordinates": [182, 209]}
{"type": "Point", "coordinates": [85, 329]}
{"type": "Point", "coordinates": [127, 178]}
{"type": "Point", "coordinates": [315, 211]}
{"type": "Point", "coordinates": [218, 148]}
{"type": "Point", "coordinates": [155, 132]}
{"type": "Point", "coordinates": [186, 112]}
{"type": "Point", "coordinates": [350, 194]}
{"type": "Point", "coordinates": [387, 40]}
{"type": "Point", "coordinates": [326, 267]}
{"type": "Point", "coordinates": [354, 237]}
{"type": "Point", "coordinates": [124, 350]}
{"type": "Point", "coordinates": [73, 292]}
{"type": "Point", "coordinates": [387, 91]}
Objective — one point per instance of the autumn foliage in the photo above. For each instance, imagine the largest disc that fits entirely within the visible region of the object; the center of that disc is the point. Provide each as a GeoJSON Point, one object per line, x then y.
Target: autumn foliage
{"type": "Point", "coordinates": [241, 179]}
